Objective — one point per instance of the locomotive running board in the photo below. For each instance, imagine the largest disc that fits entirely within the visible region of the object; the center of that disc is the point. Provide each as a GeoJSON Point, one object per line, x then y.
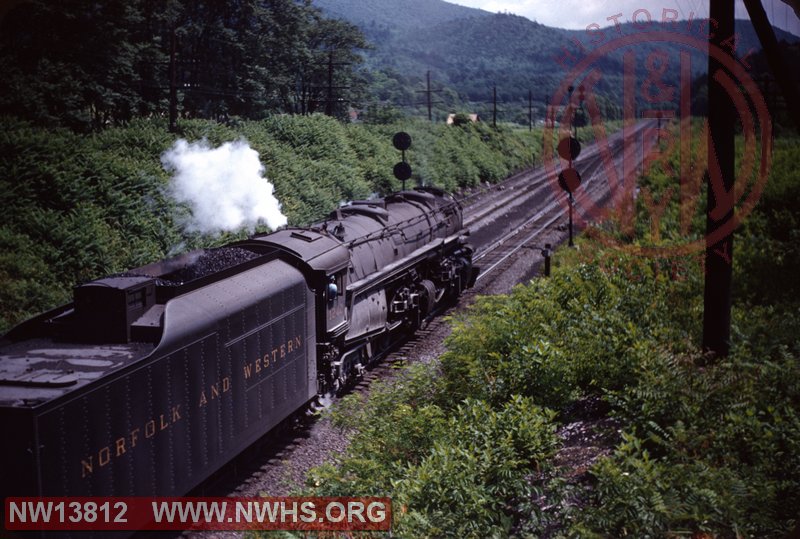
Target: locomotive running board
{"type": "Point", "coordinates": [380, 278]}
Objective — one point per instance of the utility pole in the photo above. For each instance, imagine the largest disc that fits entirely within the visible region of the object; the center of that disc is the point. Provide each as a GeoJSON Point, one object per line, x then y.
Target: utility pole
{"type": "Point", "coordinates": [720, 174]}
{"type": "Point", "coordinates": [494, 106]}
{"type": "Point", "coordinates": [493, 102]}
{"type": "Point", "coordinates": [329, 100]}
{"type": "Point", "coordinates": [328, 88]}
{"type": "Point", "coordinates": [571, 158]}
{"type": "Point", "coordinates": [430, 104]}
{"type": "Point", "coordinates": [428, 94]}
{"type": "Point", "coordinates": [720, 181]}
{"type": "Point", "coordinates": [530, 110]}
{"type": "Point", "coordinates": [173, 83]}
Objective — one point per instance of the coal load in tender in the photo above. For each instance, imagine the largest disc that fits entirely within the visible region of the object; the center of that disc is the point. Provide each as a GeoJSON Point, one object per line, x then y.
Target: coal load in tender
{"type": "Point", "coordinates": [210, 262]}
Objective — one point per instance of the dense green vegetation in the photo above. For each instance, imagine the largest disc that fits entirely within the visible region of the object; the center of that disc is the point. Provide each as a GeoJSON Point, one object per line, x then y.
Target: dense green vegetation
{"type": "Point", "coordinates": [88, 65]}
{"type": "Point", "coordinates": [77, 207]}
{"type": "Point", "coordinates": [464, 445]}
{"type": "Point", "coordinates": [712, 445]}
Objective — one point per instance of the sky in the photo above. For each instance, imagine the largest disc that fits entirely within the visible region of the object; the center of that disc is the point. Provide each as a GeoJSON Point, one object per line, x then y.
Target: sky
{"type": "Point", "coordinates": [577, 14]}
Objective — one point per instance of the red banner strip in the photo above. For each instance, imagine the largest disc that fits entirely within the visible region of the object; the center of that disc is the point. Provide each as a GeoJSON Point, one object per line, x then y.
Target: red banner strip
{"type": "Point", "coordinates": [144, 514]}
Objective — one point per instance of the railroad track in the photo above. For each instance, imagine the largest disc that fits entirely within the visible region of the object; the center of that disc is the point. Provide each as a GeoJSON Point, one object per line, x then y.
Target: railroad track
{"type": "Point", "coordinates": [519, 187]}
{"type": "Point", "coordinates": [510, 206]}
{"type": "Point", "coordinates": [501, 225]}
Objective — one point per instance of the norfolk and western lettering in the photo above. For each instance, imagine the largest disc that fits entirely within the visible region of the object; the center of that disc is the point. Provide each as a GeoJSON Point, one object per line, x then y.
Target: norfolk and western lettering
{"type": "Point", "coordinates": [149, 430]}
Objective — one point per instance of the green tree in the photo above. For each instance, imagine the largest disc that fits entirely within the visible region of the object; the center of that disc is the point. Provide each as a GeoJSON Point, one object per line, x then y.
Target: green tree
{"type": "Point", "coordinates": [88, 65]}
{"type": "Point", "coordinates": [73, 63]}
{"type": "Point", "coordinates": [326, 80]}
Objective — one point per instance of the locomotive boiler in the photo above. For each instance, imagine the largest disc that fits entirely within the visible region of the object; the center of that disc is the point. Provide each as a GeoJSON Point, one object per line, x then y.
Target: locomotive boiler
{"type": "Point", "coordinates": [151, 380]}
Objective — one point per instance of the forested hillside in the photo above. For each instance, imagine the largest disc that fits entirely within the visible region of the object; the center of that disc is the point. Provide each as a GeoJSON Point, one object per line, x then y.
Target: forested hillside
{"type": "Point", "coordinates": [469, 52]}
{"type": "Point", "coordinates": [77, 207]}
{"type": "Point", "coordinates": [88, 66]}
{"type": "Point", "coordinates": [91, 92]}
{"type": "Point", "coordinates": [376, 17]}
{"type": "Point", "coordinates": [88, 69]}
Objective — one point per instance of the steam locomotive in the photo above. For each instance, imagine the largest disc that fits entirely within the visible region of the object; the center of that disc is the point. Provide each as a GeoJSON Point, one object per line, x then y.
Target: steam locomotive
{"type": "Point", "coordinates": [151, 380]}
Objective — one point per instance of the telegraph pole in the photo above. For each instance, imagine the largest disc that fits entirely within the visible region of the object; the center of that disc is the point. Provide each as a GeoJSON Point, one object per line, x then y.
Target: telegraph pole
{"type": "Point", "coordinates": [429, 93]}
{"type": "Point", "coordinates": [329, 100]}
{"type": "Point", "coordinates": [173, 83]}
{"type": "Point", "coordinates": [430, 104]}
{"type": "Point", "coordinates": [494, 106]}
{"type": "Point", "coordinates": [530, 110]}
{"type": "Point", "coordinates": [328, 88]}
{"type": "Point", "coordinates": [493, 102]}
{"type": "Point", "coordinates": [720, 181]}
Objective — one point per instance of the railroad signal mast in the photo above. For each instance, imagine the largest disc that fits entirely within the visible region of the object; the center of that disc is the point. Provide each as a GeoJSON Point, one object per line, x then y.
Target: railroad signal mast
{"type": "Point", "coordinates": [568, 149]}
{"type": "Point", "coordinates": [402, 170]}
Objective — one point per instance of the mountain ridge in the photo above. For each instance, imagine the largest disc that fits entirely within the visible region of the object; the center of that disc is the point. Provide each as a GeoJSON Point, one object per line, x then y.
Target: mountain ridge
{"type": "Point", "coordinates": [469, 52]}
{"type": "Point", "coordinates": [400, 14]}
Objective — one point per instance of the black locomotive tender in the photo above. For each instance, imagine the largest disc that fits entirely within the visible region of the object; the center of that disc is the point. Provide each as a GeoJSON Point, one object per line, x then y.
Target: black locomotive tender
{"type": "Point", "coordinates": [152, 380]}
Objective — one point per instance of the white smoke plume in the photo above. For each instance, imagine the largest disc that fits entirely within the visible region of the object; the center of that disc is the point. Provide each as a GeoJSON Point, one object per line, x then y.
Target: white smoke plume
{"type": "Point", "coordinates": [224, 187]}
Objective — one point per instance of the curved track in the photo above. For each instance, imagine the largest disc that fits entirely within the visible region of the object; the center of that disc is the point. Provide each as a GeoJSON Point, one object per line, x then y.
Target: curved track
{"type": "Point", "coordinates": [513, 215]}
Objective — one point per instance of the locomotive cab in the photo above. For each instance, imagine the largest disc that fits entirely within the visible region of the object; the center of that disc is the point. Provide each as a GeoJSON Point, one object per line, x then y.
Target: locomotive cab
{"type": "Point", "coordinates": [335, 304]}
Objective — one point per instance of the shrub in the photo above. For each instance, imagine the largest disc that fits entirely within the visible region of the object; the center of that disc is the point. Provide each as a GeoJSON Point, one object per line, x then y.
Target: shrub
{"type": "Point", "coordinates": [709, 448]}
{"type": "Point", "coordinates": [542, 340]}
{"type": "Point", "coordinates": [474, 483]}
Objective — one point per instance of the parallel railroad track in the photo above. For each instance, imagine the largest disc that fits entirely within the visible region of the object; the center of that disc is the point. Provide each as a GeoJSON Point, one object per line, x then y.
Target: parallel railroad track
{"type": "Point", "coordinates": [500, 223]}
{"type": "Point", "coordinates": [509, 208]}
